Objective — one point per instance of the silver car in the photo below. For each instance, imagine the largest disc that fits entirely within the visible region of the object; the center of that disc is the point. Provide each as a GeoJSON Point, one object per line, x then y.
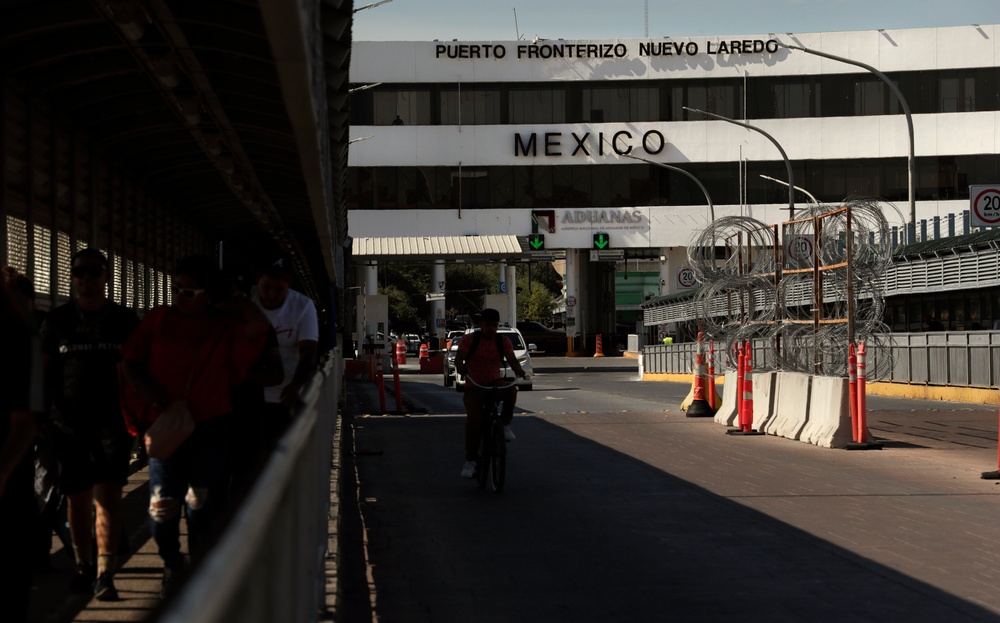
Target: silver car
{"type": "Point", "coordinates": [520, 351]}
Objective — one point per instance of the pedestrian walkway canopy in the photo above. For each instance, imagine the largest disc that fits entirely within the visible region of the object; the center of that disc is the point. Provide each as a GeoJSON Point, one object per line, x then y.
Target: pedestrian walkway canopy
{"type": "Point", "coordinates": [152, 129]}
{"type": "Point", "coordinates": [438, 248]}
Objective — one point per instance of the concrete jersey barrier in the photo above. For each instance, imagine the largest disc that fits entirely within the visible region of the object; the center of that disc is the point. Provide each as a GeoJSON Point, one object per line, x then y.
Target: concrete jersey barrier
{"type": "Point", "coordinates": [791, 405]}
{"type": "Point", "coordinates": [726, 413]}
{"type": "Point", "coordinates": [829, 423]}
{"type": "Point", "coordinates": [764, 394]}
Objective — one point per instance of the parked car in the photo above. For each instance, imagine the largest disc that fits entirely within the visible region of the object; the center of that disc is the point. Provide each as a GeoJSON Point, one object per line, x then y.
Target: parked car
{"type": "Point", "coordinates": [550, 341]}
{"type": "Point", "coordinates": [520, 351]}
{"type": "Point", "coordinates": [412, 343]}
{"type": "Point", "coordinates": [453, 336]}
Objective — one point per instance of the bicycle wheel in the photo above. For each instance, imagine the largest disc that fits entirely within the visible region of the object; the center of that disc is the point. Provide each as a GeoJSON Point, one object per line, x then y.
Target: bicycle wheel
{"type": "Point", "coordinates": [483, 465]}
{"type": "Point", "coordinates": [498, 456]}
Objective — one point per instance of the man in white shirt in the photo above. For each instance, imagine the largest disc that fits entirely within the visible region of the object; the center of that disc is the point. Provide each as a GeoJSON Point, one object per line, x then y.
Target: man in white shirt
{"type": "Point", "coordinates": [293, 316]}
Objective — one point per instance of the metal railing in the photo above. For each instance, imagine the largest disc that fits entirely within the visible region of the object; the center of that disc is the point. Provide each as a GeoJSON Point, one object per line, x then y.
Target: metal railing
{"type": "Point", "coordinates": [271, 563]}
{"type": "Point", "coordinates": [948, 358]}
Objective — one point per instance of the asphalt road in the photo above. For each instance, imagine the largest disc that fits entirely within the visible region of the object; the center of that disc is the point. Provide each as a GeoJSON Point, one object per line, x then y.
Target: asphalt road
{"type": "Point", "coordinates": [618, 507]}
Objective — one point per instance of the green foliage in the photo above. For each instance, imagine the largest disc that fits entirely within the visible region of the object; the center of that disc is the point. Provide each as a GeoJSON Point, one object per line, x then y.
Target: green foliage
{"type": "Point", "coordinates": [404, 316]}
{"type": "Point", "coordinates": [542, 274]}
{"type": "Point", "coordinates": [536, 305]}
{"type": "Point", "coordinates": [407, 284]}
{"type": "Point", "coordinates": [466, 285]}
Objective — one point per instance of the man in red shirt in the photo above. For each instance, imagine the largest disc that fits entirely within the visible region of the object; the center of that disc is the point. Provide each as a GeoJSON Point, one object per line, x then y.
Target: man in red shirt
{"type": "Point", "coordinates": [483, 366]}
{"type": "Point", "coordinates": [195, 353]}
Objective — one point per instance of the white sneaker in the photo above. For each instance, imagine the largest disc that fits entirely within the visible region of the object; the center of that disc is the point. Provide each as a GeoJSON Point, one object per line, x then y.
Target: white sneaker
{"type": "Point", "coordinates": [469, 469]}
{"type": "Point", "coordinates": [508, 434]}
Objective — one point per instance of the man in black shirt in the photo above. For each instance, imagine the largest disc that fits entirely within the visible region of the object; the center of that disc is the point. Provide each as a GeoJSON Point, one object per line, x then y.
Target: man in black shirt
{"type": "Point", "coordinates": [82, 342]}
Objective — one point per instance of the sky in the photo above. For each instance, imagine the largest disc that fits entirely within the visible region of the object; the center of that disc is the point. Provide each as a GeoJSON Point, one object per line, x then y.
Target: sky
{"type": "Point", "coordinates": [489, 20]}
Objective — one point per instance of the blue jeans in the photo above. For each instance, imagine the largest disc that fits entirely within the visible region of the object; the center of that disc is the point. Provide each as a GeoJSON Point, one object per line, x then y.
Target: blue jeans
{"type": "Point", "coordinates": [194, 479]}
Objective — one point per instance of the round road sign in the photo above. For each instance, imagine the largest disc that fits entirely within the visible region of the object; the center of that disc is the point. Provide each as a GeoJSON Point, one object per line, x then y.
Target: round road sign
{"type": "Point", "coordinates": [570, 301]}
{"type": "Point", "coordinates": [685, 277]}
{"type": "Point", "coordinates": [986, 205]}
{"type": "Point", "coordinates": [800, 248]}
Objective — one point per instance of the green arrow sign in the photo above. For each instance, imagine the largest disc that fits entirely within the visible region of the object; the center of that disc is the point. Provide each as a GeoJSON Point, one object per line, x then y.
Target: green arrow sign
{"type": "Point", "coordinates": [601, 241]}
{"type": "Point", "coordinates": [537, 242]}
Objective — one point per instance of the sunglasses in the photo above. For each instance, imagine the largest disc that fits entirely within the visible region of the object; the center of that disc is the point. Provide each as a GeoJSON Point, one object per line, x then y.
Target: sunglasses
{"type": "Point", "coordinates": [93, 270]}
{"type": "Point", "coordinates": [188, 293]}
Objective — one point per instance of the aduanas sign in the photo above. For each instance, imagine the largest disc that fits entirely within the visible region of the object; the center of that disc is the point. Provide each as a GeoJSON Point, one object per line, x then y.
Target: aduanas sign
{"type": "Point", "coordinates": [603, 219]}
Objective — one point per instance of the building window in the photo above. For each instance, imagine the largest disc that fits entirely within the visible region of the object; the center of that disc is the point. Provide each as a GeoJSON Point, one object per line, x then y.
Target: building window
{"type": "Point", "coordinates": [795, 98]}
{"type": "Point", "coordinates": [620, 103]}
{"type": "Point", "coordinates": [403, 107]}
{"type": "Point", "coordinates": [587, 185]}
{"type": "Point", "coordinates": [537, 105]}
{"type": "Point", "coordinates": [957, 94]}
{"type": "Point", "coordinates": [868, 97]}
{"type": "Point", "coordinates": [470, 106]}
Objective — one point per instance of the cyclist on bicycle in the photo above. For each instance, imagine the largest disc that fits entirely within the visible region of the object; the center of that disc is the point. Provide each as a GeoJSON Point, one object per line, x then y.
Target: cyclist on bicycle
{"type": "Point", "coordinates": [479, 357]}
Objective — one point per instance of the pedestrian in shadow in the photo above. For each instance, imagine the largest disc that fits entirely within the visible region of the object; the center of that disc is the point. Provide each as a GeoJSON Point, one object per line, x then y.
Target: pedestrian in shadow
{"type": "Point", "coordinates": [82, 342]}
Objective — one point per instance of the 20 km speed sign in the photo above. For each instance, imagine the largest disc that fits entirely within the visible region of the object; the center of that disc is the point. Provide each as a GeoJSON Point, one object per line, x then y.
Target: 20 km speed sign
{"type": "Point", "coordinates": [985, 205]}
{"type": "Point", "coordinates": [799, 251]}
{"type": "Point", "coordinates": [685, 277]}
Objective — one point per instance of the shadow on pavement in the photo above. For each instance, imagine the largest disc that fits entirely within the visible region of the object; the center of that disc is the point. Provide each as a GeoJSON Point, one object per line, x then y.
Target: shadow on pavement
{"type": "Point", "coordinates": [585, 533]}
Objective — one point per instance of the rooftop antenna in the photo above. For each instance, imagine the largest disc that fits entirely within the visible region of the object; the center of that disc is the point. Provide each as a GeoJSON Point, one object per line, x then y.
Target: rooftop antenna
{"type": "Point", "coordinates": [516, 31]}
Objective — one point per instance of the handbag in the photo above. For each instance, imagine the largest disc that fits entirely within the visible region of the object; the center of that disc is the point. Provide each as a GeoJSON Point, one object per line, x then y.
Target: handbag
{"type": "Point", "coordinates": [169, 431]}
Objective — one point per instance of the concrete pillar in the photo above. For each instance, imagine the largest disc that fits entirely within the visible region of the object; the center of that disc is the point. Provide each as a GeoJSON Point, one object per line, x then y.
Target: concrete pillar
{"type": "Point", "coordinates": [371, 278]}
{"type": "Point", "coordinates": [511, 279]}
{"type": "Point", "coordinates": [665, 277]}
{"type": "Point", "coordinates": [572, 282]}
{"type": "Point", "coordinates": [437, 324]}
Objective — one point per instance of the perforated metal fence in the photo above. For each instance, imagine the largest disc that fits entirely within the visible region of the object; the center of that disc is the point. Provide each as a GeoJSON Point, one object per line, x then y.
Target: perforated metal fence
{"type": "Point", "coordinates": [950, 358]}
{"type": "Point", "coordinates": [59, 194]}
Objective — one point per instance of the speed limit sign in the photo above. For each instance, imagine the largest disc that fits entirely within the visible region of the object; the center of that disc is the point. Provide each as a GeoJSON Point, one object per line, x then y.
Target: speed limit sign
{"type": "Point", "coordinates": [799, 250]}
{"type": "Point", "coordinates": [685, 277]}
{"type": "Point", "coordinates": [985, 205]}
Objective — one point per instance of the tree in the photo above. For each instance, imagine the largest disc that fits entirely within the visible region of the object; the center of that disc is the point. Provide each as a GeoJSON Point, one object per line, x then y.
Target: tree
{"type": "Point", "coordinates": [536, 305]}
{"type": "Point", "coordinates": [467, 283]}
{"type": "Point", "coordinates": [404, 317]}
{"type": "Point", "coordinates": [406, 287]}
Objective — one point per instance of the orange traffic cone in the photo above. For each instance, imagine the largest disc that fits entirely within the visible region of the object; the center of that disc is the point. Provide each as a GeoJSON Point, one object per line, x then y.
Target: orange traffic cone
{"type": "Point", "coordinates": [699, 406]}
{"type": "Point", "coordinates": [747, 422]}
{"type": "Point", "coordinates": [600, 347]}
{"type": "Point", "coordinates": [401, 352]}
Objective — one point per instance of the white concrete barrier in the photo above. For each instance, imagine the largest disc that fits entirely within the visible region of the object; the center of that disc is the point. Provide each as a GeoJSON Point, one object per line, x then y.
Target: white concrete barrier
{"type": "Point", "coordinates": [764, 384]}
{"type": "Point", "coordinates": [726, 414]}
{"type": "Point", "coordinates": [791, 405]}
{"type": "Point", "coordinates": [829, 423]}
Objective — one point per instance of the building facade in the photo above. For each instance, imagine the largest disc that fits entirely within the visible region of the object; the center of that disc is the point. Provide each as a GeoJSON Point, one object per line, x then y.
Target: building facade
{"type": "Point", "coordinates": [561, 138]}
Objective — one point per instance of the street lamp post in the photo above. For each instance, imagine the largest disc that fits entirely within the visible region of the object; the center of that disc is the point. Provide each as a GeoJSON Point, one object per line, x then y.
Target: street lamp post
{"type": "Point", "coordinates": [372, 5]}
{"type": "Point", "coordinates": [711, 208]}
{"type": "Point", "coordinates": [798, 188]}
{"type": "Point", "coordinates": [784, 156]}
{"type": "Point", "coordinates": [902, 103]}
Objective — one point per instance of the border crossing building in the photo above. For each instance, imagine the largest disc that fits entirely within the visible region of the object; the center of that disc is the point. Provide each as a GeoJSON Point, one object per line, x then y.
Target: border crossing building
{"type": "Point", "coordinates": [458, 139]}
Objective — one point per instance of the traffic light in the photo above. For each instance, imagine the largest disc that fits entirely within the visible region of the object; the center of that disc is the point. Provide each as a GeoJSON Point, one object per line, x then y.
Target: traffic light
{"type": "Point", "coordinates": [537, 242]}
{"type": "Point", "coordinates": [602, 241]}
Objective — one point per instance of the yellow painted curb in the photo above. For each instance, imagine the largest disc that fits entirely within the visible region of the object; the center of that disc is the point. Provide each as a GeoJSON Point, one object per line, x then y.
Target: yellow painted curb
{"type": "Point", "coordinates": [671, 377]}
{"type": "Point", "coordinates": [975, 395]}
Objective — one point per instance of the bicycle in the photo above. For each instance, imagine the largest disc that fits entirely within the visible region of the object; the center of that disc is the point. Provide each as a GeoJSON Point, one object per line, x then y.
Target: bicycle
{"type": "Point", "coordinates": [492, 460]}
